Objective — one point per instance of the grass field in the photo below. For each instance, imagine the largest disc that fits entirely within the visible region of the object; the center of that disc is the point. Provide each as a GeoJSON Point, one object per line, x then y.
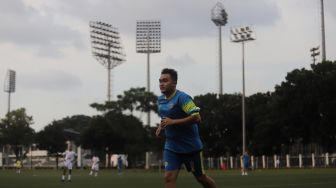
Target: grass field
{"type": "Point", "coordinates": [295, 178]}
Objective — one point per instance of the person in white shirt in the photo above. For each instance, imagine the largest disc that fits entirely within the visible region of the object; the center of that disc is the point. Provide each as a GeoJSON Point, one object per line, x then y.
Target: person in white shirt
{"type": "Point", "coordinates": [95, 165]}
{"type": "Point", "coordinates": [69, 158]}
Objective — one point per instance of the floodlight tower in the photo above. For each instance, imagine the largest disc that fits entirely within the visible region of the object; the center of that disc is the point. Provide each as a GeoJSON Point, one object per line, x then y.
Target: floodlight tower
{"type": "Point", "coordinates": [242, 34]}
{"type": "Point", "coordinates": [106, 48]}
{"type": "Point", "coordinates": [10, 85]}
{"type": "Point", "coordinates": [219, 17]}
{"type": "Point", "coordinates": [148, 40]}
{"type": "Point", "coordinates": [323, 32]}
{"type": "Point", "coordinates": [314, 52]}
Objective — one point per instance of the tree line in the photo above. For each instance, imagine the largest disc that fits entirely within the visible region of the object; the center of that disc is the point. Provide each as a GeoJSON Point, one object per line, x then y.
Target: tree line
{"type": "Point", "coordinates": [301, 111]}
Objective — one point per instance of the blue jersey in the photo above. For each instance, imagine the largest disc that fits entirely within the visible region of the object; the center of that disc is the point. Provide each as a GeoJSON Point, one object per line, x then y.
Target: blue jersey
{"type": "Point", "coordinates": [120, 162]}
{"type": "Point", "coordinates": [180, 138]}
{"type": "Point", "coordinates": [246, 159]}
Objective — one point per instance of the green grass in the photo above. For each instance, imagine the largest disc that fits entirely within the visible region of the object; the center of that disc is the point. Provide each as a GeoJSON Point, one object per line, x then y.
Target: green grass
{"type": "Point", "coordinates": [294, 178]}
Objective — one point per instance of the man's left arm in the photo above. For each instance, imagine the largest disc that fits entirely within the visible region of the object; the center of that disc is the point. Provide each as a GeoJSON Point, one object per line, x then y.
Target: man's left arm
{"type": "Point", "coordinates": [189, 108]}
{"type": "Point", "coordinates": [194, 118]}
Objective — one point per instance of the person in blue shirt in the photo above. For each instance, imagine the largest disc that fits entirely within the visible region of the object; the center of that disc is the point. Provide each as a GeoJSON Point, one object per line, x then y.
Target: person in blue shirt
{"type": "Point", "coordinates": [179, 120]}
{"type": "Point", "coordinates": [120, 163]}
{"type": "Point", "coordinates": [246, 163]}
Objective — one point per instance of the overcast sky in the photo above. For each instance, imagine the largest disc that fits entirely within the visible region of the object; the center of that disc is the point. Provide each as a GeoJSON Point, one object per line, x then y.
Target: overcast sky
{"type": "Point", "coordinates": [47, 43]}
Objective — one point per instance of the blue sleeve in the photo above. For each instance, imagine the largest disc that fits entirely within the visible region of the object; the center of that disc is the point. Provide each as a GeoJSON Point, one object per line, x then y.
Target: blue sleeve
{"type": "Point", "coordinates": [188, 105]}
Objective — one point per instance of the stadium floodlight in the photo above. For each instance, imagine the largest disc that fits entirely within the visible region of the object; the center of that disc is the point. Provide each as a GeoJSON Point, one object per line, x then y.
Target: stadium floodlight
{"type": "Point", "coordinates": [219, 17]}
{"type": "Point", "coordinates": [314, 52]}
{"type": "Point", "coordinates": [10, 83]}
{"type": "Point", "coordinates": [106, 48]}
{"type": "Point", "coordinates": [148, 40]}
{"type": "Point", "coordinates": [242, 34]}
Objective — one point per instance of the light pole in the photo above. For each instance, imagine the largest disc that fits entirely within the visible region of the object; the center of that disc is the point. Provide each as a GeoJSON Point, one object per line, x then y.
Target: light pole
{"type": "Point", "coordinates": [242, 34]}
{"type": "Point", "coordinates": [10, 85]}
{"type": "Point", "coordinates": [31, 148]}
{"type": "Point", "coordinates": [314, 52]}
{"type": "Point", "coordinates": [106, 48]}
{"type": "Point", "coordinates": [219, 17]}
{"type": "Point", "coordinates": [148, 40]}
{"type": "Point", "coordinates": [323, 32]}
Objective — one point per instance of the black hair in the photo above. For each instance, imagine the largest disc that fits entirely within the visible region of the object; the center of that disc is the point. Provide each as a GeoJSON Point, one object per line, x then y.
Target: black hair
{"type": "Point", "coordinates": [171, 72]}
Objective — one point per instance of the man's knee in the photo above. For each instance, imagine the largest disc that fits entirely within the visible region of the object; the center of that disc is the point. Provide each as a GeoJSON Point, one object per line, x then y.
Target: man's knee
{"type": "Point", "coordinates": [170, 177]}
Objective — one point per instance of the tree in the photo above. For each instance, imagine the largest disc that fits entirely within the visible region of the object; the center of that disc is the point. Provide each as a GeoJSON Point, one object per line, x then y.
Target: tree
{"type": "Point", "coordinates": [135, 99]}
{"type": "Point", "coordinates": [16, 131]}
{"type": "Point", "coordinates": [305, 102]}
{"type": "Point", "coordinates": [263, 135]}
{"type": "Point", "coordinates": [115, 133]}
{"type": "Point", "coordinates": [221, 123]}
{"type": "Point", "coordinates": [325, 92]}
{"type": "Point", "coordinates": [138, 99]}
{"type": "Point", "coordinates": [73, 126]}
{"type": "Point", "coordinates": [53, 137]}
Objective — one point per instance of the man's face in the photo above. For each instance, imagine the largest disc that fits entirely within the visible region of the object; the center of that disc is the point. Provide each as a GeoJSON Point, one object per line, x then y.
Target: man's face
{"type": "Point", "coordinates": [167, 85]}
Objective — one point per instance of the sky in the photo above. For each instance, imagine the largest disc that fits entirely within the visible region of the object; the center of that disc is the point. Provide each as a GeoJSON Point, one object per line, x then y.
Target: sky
{"type": "Point", "coordinates": [47, 43]}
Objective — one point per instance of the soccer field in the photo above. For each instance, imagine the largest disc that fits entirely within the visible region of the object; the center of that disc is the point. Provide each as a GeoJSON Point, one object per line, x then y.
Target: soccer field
{"type": "Point", "coordinates": [296, 178]}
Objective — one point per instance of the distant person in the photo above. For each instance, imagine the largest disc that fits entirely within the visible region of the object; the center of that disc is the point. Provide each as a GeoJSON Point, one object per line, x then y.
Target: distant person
{"type": "Point", "coordinates": [69, 158]}
{"type": "Point", "coordinates": [246, 163]}
{"type": "Point", "coordinates": [95, 165]}
{"type": "Point", "coordinates": [180, 119]}
{"type": "Point", "coordinates": [18, 166]}
{"type": "Point", "coordinates": [277, 162]}
{"type": "Point", "coordinates": [119, 164]}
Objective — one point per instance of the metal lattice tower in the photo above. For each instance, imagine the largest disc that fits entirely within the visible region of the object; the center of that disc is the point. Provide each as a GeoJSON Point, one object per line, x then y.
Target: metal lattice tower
{"type": "Point", "coordinates": [10, 84]}
{"type": "Point", "coordinates": [148, 40]}
{"type": "Point", "coordinates": [106, 48]}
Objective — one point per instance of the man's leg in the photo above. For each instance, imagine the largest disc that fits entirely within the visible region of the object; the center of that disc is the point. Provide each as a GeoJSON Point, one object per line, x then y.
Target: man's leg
{"type": "Point", "coordinates": [173, 162]}
{"type": "Point", "coordinates": [69, 175]}
{"type": "Point", "coordinates": [194, 164]}
{"type": "Point", "coordinates": [92, 170]}
{"type": "Point", "coordinates": [206, 181]}
{"type": "Point", "coordinates": [96, 170]}
{"type": "Point", "coordinates": [170, 178]}
{"type": "Point", "coordinates": [64, 172]}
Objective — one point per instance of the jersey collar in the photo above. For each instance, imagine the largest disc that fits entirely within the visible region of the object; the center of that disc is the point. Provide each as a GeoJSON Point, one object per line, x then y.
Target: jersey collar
{"type": "Point", "coordinates": [171, 96]}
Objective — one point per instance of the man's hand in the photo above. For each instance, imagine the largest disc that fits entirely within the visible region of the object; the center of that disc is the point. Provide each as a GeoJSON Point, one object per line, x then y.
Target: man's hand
{"type": "Point", "coordinates": [166, 121]}
{"type": "Point", "coordinates": [158, 131]}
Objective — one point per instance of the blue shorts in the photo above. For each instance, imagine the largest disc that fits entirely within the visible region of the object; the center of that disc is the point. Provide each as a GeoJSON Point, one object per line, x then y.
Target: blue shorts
{"type": "Point", "coordinates": [193, 161]}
